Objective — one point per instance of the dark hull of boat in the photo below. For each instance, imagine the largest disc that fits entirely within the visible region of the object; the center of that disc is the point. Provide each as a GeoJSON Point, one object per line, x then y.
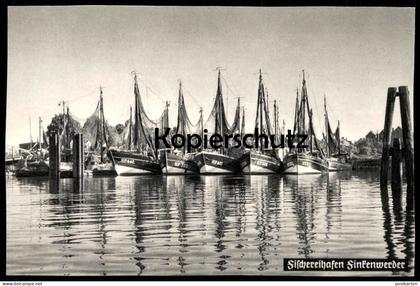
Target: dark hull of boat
{"type": "Point", "coordinates": [104, 173]}
{"type": "Point", "coordinates": [336, 165]}
{"type": "Point", "coordinates": [131, 163]}
{"type": "Point", "coordinates": [32, 169]}
{"type": "Point", "coordinates": [300, 163]}
{"type": "Point", "coordinates": [215, 163]}
{"type": "Point", "coordinates": [256, 163]}
{"type": "Point", "coordinates": [31, 172]}
{"type": "Point", "coordinates": [175, 164]}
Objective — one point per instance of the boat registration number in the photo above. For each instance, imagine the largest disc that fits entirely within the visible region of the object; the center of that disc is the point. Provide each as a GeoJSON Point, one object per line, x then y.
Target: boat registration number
{"type": "Point", "coordinates": [180, 164]}
{"type": "Point", "coordinates": [216, 163]}
{"type": "Point", "coordinates": [261, 163]}
{"type": "Point", "coordinates": [305, 163]}
{"type": "Point", "coordinates": [127, 161]}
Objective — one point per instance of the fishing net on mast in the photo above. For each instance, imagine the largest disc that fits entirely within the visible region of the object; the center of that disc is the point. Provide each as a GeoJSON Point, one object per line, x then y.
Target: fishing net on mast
{"type": "Point", "coordinates": [301, 125]}
{"type": "Point", "coordinates": [217, 121]}
{"type": "Point", "coordinates": [70, 126]}
{"type": "Point", "coordinates": [144, 127]}
{"type": "Point", "coordinates": [96, 130]}
{"type": "Point", "coordinates": [332, 144]}
{"type": "Point", "coordinates": [262, 121]}
{"type": "Point", "coordinates": [184, 125]}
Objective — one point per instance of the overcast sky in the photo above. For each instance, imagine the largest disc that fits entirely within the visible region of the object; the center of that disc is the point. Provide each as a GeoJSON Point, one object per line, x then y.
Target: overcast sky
{"type": "Point", "coordinates": [65, 53]}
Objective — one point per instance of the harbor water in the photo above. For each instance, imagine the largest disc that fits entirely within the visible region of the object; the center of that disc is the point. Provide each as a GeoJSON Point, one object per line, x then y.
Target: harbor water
{"type": "Point", "coordinates": [202, 225]}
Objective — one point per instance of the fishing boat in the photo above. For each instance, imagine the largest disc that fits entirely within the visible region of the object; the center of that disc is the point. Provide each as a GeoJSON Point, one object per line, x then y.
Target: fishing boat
{"type": "Point", "coordinates": [180, 160]}
{"type": "Point", "coordinates": [337, 160]}
{"type": "Point", "coordinates": [139, 155]}
{"type": "Point", "coordinates": [96, 131]}
{"type": "Point", "coordinates": [309, 160]}
{"type": "Point", "coordinates": [261, 160]}
{"type": "Point", "coordinates": [223, 160]}
{"type": "Point", "coordinates": [33, 162]}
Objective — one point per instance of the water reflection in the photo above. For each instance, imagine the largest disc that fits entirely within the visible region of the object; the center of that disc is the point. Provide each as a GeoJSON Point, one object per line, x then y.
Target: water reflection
{"type": "Point", "coordinates": [202, 224]}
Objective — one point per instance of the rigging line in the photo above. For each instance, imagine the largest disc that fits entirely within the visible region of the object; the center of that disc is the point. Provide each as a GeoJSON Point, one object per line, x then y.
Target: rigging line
{"type": "Point", "coordinates": [80, 97]}
{"type": "Point", "coordinates": [316, 106]}
{"type": "Point", "coordinates": [78, 118]}
{"type": "Point", "coordinates": [190, 95]}
{"type": "Point", "coordinates": [228, 87]}
{"type": "Point", "coordinates": [141, 79]}
{"type": "Point", "coordinates": [232, 84]}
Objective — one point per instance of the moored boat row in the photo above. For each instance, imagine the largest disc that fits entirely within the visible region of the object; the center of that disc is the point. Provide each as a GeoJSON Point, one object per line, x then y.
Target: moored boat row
{"type": "Point", "coordinates": [144, 158]}
{"type": "Point", "coordinates": [139, 154]}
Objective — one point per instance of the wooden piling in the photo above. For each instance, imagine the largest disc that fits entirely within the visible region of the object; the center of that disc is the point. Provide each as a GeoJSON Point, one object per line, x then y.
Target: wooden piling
{"type": "Point", "coordinates": [408, 151]}
{"type": "Point", "coordinates": [396, 168]}
{"type": "Point", "coordinates": [389, 112]}
{"type": "Point", "coordinates": [78, 156]}
{"type": "Point", "coordinates": [54, 156]}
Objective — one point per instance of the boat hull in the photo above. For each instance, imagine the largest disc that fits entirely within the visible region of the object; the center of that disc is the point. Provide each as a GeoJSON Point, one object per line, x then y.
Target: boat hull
{"type": "Point", "coordinates": [335, 165]}
{"type": "Point", "coordinates": [131, 163]}
{"type": "Point", "coordinates": [172, 164]}
{"type": "Point", "coordinates": [256, 163]}
{"type": "Point", "coordinates": [32, 172]}
{"type": "Point", "coordinates": [299, 163]}
{"type": "Point", "coordinates": [215, 163]}
{"type": "Point", "coordinates": [42, 169]}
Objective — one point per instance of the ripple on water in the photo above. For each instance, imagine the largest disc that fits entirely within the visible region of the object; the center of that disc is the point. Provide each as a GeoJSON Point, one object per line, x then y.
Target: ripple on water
{"type": "Point", "coordinates": [200, 225]}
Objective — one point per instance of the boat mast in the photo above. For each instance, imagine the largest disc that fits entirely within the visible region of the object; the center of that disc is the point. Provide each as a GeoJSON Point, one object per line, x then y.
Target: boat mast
{"type": "Point", "coordinates": [136, 142]}
{"type": "Point", "coordinates": [268, 104]}
{"type": "Point", "coordinates": [219, 106]}
{"type": "Point", "coordinates": [276, 118]}
{"type": "Point", "coordinates": [304, 95]}
{"type": "Point", "coordinates": [326, 128]}
{"type": "Point", "coordinates": [129, 130]}
{"type": "Point", "coordinates": [202, 127]}
{"type": "Point", "coordinates": [101, 125]}
{"type": "Point", "coordinates": [39, 133]}
{"type": "Point", "coordinates": [30, 131]}
{"type": "Point", "coordinates": [283, 132]}
{"type": "Point", "coordinates": [296, 119]}
{"type": "Point", "coordinates": [261, 102]}
{"type": "Point", "coordinates": [243, 122]}
{"type": "Point", "coordinates": [311, 131]}
{"type": "Point", "coordinates": [338, 138]}
{"type": "Point", "coordinates": [181, 116]}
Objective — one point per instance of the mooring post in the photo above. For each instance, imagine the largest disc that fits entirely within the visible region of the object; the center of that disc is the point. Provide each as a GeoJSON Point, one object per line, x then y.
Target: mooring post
{"type": "Point", "coordinates": [407, 134]}
{"type": "Point", "coordinates": [396, 168]}
{"type": "Point", "coordinates": [54, 154]}
{"type": "Point", "coordinates": [389, 112]}
{"type": "Point", "coordinates": [78, 156]}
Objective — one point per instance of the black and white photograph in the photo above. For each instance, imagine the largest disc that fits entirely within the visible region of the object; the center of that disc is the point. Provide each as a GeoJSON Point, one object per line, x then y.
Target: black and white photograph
{"type": "Point", "coordinates": [209, 141]}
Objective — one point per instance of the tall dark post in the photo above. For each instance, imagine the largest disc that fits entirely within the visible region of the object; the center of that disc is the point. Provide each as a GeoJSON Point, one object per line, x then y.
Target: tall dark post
{"type": "Point", "coordinates": [392, 91]}
{"type": "Point", "coordinates": [408, 151]}
{"type": "Point", "coordinates": [396, 165]}
{"type": "Point", "coordinates": [54, 153]}
{"type": "Point", "coordinates": [78, 156]}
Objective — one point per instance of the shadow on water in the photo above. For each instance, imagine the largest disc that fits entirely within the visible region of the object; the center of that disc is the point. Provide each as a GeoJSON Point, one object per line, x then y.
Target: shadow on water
{"type": "Point", "coordinates": [395, 219]}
